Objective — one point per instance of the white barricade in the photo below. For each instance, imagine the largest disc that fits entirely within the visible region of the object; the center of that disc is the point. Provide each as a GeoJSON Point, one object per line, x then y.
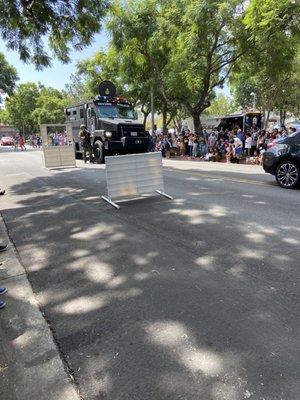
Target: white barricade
{"type": "Point", "coordinates": [58, 147]}
{"type": "Point", "coordinates": [133, 175]}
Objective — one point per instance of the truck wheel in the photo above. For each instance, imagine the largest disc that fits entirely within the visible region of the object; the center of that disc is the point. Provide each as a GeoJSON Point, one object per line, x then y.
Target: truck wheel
{"type": "Point", "coordinates": [99, 152]}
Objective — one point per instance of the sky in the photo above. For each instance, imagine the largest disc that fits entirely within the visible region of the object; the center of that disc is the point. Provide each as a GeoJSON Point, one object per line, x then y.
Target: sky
{"type": "Point", "coordinates": [58, 74]}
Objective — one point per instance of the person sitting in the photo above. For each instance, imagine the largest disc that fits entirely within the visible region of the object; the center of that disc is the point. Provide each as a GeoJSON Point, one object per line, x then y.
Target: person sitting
{"type": "Point", "coordinates": [216, 155]}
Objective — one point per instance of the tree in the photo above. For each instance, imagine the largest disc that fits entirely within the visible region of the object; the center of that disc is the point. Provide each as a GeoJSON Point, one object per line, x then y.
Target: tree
{"type": "Point", "coordinates": [203, 52]}
{"type": "Point", "coordinates": [8, 76]}
{"type": "Point", "coordinates": [187, 60]}
{"type": "Point", "coordinates": [267, 69]}
{"type": "Point", "coordinates": [50, 107]}
{"type": "Point", "coordinates": [128, 72]}
{"type": "Point", "coordinates": [24, 25]}
{"type": "Point", "coordinates": [289, 98]}
{"type": "Point", "coordinates": [32, 105]}
{"type": "Point", "coordinates": [21, 105]}
{"type": "Point", "coordinates": [76, 90]}
{"type": "Point", "coordinates": [3, 116]}
{"type": "Point", "coordinates": [143, 53]}
{"type": "Point", "coordinates": [221, 105]}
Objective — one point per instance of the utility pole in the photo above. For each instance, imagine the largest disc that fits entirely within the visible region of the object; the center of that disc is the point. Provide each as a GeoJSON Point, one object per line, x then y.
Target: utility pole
{"type": "Point", "coordinates": [152, 107]}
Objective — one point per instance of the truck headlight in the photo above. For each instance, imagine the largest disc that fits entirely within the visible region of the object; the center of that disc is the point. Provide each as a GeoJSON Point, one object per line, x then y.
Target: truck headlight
{"type": "Point", "coordinates": [108, 134]}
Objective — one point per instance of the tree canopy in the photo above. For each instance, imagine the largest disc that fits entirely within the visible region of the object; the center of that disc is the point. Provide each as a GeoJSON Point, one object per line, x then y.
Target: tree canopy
{"type": "Point", "coordinates": [33, 104]}
{"type": "Point", "coordinates": [268, 69]}
{"type": "Point", "coordinates": [183, 51]}
{"type": "Point", "coordinates": [8, 76]}
{"type": "Point", "coordinates": [25, 25]}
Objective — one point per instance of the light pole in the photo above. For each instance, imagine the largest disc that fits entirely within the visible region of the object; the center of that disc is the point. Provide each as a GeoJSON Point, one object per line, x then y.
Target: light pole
{"type": "Point", "coordinates": [254, 99]}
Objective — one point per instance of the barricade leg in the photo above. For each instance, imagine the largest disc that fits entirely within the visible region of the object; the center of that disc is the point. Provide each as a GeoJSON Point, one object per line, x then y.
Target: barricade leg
{"type": "Point", "coordinates": [164, 194]}
{"type": "Point", "coordinates": [110, 202]}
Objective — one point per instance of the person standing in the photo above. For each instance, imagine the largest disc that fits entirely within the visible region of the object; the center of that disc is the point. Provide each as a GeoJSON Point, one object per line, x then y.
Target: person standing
{"type": "Point", "coordinates": [248, 144]}
{"type": "Point", "coordinates": [195, 146]}
{"type": "Point", "coordinates": [238, 145]}
{"type": "Point", "coordinates": [190, 145]}
{"type": "Point", "coordinates": [254, 137]}
{"type": "Point", "coordinates": [202, 146]}
{"type": "Point", "coordinates": [16, 142]}
{"type": "Point", "coordinates": [22, 143]}
{"type": "Point", "coordinates": [85, 140]}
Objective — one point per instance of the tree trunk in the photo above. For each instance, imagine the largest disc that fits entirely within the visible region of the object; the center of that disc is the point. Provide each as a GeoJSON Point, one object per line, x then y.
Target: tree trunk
{"type": "Point", "coordinates": [178, 123]}
{"type": "Point", "coordinates": [267, 119]}
{"type": "Point", "coordinates": [263, 121]}
{"type": "Point", "coordinates": [281, 116]}
{"type": "Point", "coordinates": [165, 116]}
{"type": "Point", "coordinates": [197, 123]}
{"type": "Point", "coordinates": [146, 114]}
{"type": "Point", "coordinates": [284, 117]}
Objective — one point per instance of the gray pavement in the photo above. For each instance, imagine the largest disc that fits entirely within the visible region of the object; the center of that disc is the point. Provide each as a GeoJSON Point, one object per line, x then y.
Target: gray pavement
{"type": "Point", "coordinates": [195, 298]}
{"type": "Point", "coordinates": [30, 363]}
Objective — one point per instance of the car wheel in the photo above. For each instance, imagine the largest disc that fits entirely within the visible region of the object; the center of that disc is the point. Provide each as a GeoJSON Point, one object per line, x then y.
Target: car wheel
{"type": "Point", "coordinates": [99, 152]}
{"type": "Point", "coordinates": [288, 174]}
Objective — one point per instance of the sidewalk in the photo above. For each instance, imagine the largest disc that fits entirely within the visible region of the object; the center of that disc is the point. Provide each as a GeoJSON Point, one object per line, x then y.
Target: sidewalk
{"type": "Point", "coordinates": [30, 364]}
{"type": "Point", "coordinates": [201, 165]}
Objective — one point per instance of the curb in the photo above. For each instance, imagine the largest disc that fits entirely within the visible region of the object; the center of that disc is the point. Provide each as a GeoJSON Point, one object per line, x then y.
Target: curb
{"type": "Point", "coordinates": [30, 364]}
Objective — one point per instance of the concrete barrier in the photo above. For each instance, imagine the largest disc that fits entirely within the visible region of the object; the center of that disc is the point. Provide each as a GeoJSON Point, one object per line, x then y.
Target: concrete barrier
{"type": "Point", "coordinates": [132, 176]}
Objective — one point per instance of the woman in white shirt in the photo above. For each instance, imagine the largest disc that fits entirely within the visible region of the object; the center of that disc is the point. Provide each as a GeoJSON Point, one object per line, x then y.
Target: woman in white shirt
{"type": "Point", "coordinates": [248, 144]}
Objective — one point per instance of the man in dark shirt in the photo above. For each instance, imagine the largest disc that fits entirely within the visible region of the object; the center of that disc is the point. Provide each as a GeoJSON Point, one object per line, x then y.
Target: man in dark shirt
{"type": "Point", "coordinates": [85, 141]}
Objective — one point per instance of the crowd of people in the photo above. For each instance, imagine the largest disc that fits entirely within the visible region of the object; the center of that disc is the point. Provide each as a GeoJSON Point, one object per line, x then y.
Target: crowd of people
{"type": "Point", "coordinates": [58, 139]}
{"type": "Point", "coordinates": [19, 142]}
{"type": "Point", "coordinates": [35, 141]}
{"type": "Point", "coordinates": [218, 144]}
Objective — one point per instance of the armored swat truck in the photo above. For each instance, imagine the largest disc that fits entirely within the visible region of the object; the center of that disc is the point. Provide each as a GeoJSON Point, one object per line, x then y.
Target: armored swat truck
{"type": "Point", "coordinates": [113, 124]}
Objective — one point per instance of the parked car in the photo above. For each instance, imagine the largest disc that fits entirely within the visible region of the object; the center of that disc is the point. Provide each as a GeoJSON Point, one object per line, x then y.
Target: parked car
{"type": "Point", "coordinates": [7, 141]}
{"type": "Point", "coordinates": [282, 159]}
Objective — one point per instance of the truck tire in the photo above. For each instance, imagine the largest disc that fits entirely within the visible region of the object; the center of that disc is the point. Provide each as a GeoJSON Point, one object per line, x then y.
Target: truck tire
{"type": "Point", "coordinates": [99, 152]}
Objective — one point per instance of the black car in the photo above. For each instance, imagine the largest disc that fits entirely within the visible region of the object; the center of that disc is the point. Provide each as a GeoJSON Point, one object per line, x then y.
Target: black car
{"type": "Point", "coordinates": [282, 159]}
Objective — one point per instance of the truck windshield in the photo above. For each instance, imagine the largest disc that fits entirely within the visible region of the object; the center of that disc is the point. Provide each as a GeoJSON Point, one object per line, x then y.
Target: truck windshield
{"type": "Point", "coordinates": [115, 111]}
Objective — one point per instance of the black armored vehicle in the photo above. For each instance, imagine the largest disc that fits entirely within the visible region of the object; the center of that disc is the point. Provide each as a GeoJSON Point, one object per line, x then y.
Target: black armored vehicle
{"type": "Point", "coordinates": [113, 124]}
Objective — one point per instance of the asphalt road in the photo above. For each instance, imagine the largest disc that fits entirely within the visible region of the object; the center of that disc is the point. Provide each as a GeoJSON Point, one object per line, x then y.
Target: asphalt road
{"type": "Point", "coordinates": [195, 298]}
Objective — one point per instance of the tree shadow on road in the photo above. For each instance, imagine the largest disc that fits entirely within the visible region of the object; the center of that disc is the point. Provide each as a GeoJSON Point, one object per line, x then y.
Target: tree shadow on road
{"type": "Point", "coordinates": [160, 300]}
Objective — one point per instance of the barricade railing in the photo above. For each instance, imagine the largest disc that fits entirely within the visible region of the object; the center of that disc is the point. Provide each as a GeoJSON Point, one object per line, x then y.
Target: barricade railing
{"type": "Point", "coordinates": [131, 176]}
{"type": "Point", "coordinates": [58, 146]}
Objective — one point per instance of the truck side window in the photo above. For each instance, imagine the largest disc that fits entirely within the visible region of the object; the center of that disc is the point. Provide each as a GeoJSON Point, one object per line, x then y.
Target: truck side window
{"type": "Point", "coordinates": [74, 112]}
{"type": "Point", "coordinates": [81, 113]}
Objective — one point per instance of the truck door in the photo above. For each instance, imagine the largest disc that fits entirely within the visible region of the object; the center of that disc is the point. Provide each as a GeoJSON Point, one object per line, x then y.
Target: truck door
{"type": "Point", "coordinates": [91, 119]}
